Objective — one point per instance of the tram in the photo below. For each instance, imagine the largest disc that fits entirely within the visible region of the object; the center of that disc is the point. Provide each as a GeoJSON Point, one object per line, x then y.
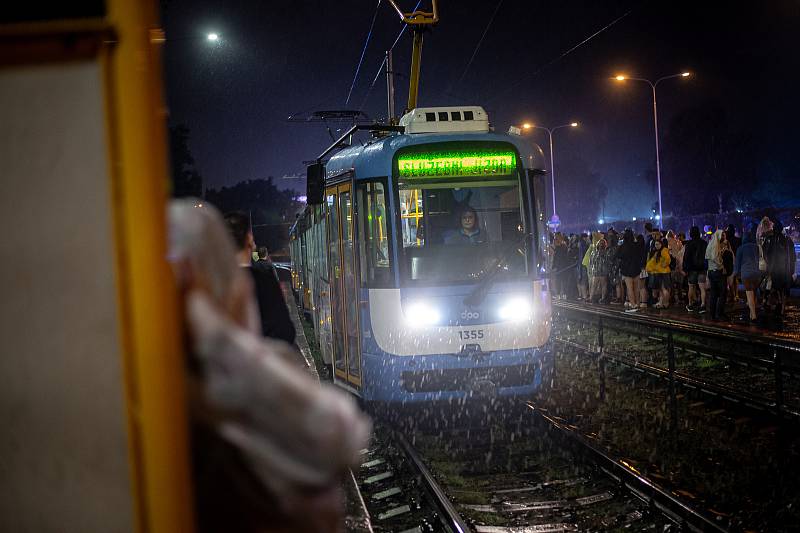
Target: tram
{"type": "Point", "coordinates": [423, 266]}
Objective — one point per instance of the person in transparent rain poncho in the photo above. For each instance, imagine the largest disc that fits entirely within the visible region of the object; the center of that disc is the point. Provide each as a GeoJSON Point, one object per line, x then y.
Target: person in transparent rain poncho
{"type": "Point", "coordinates": [270, 445]}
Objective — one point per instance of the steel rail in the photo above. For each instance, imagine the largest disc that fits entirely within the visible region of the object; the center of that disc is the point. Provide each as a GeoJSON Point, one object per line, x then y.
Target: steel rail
{"type": "Point", "coordinates": [765, 362]}
{"type": "Point", "coordinates": [639, 485]}
{"type": "Point", "coordinates": [449, 513]}
{"type": "Point", "coordinates": [754, 360]}
{"type": "Point", "coordinates": [757, 402]}
{"type": "Point", "coordinates": [782, 359]}
{"type": "Point", "coordinates": [686, 328]}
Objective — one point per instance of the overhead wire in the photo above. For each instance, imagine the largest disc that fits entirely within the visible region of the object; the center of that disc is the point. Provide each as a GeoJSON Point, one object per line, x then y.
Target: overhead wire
{"type": "Point", "coordinates": [562, 56]}
{"type": "Point", "coordinates": [363, 52]}
{"type": "Point", "coordinates": [380, 68]}
{"type": "Point", "coordinates": [477, 46]}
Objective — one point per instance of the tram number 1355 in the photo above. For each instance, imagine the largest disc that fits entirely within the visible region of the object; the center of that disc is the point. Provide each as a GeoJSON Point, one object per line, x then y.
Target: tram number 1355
{"type": "Point", "coordinates": [470, 334]}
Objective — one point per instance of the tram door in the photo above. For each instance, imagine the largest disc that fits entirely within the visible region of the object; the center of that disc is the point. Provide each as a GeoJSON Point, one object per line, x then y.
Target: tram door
{"type": "Point", "coordinates": [344, 284]}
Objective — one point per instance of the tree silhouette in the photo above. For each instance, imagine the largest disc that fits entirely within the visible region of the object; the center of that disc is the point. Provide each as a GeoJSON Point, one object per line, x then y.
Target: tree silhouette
{"type": "Point", "coordinates": [581, 192]}
{"type": "Point", "coordinates": [272, 211]}
{"type": "Point", "coordinates": [707, 165]}
{"type": "Point", "coordinates": [186, 180]}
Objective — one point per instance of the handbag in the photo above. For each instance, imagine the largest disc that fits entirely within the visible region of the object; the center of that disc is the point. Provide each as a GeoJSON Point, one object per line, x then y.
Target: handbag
{"type": "Point", "coordinates": [762, 263]}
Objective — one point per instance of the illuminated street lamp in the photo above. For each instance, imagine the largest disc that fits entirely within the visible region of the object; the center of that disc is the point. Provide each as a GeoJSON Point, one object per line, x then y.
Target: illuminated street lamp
{"type": "Point", "coordinates": [621, 77]}
{"type": "Point", "coordinates": [550, 131]}
{"type": "Point", "coordinates": [213, 37]}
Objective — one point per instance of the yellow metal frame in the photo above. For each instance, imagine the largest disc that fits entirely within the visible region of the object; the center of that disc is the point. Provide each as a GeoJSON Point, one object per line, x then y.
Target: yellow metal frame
{"type": "Point", "coordinates": [418, 20]}
{"type": "Point", "coordinates": [125, 45]}
{"type": "Point", "coordinates": [416, 215]}
{"type": "Point", "coordinates": [148, 299]}
{"type": "Point", "coordinates": [418, 17]}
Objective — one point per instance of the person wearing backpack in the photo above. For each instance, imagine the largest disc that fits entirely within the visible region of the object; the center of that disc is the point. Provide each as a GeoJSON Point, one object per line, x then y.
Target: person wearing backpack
{"type": "Point", "coordinates": [779, 253]}
{"type": "Point", "coordinates": [694, 265]}
{"type": "Point", "coordinates": [630, 266]}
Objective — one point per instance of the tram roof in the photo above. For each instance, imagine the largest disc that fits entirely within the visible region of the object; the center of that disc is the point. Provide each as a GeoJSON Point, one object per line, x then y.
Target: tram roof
{"type": "Point", "coordinates": [375, 157]}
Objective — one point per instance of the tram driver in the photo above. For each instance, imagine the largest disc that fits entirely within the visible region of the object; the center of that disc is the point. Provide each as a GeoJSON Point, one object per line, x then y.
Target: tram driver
{"type": "Point", "coordinates": [469, 231]}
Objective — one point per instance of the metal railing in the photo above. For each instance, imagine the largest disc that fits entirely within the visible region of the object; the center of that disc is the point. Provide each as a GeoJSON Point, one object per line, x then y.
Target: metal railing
{"type": "Point", "coordinates": [776, 356]}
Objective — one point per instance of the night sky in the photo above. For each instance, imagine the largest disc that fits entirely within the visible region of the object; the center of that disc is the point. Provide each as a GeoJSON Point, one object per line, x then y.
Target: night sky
{"type": "Point", "coordinates": [289, 58]}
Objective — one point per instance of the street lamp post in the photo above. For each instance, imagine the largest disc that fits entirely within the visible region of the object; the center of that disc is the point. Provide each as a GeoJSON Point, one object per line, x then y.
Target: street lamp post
{"type": "Point", "coordinates": [550, 131]}
{"type": "Point", "coordinates": [655, 125]}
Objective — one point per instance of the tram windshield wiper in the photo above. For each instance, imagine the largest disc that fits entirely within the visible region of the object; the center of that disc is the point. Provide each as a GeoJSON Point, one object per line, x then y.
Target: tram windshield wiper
{"type": "Point", "coordinates": [478, 294]}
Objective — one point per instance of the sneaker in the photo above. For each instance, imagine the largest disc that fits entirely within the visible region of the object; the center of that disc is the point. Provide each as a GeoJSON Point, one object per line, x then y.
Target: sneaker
{"type": "Point", "coordinates": [701, 311]}
{"type": "Point", "coordinates": [658, 306]}
{"type": "Point", "coordinates": [642, 305]}
{"type": "Point", "coordinates": [627, 305]}
{"type": "Point", "coordinates": [632, 310]}
{"type": "Point", "coordinates": [691, 308]}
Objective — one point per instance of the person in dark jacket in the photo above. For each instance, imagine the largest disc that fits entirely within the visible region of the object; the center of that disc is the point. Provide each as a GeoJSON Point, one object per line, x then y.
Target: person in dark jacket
{"type": "Point", "coordinates": [641, 282]}
{"type": "Point", "coordinates": [572, 273]}
{"type": "Point", "coordinates": [614, 276]}
{"type": "Point", "coordinates": [720, 262]}
{"type": "Point", "coordinates": [560, 265]}
{"type": "Point", "coordinates": [275, 320]}
{"type": "Point", "coordinates": [630, 266]}
{"type": "Point", "coordinates": [734, 242]}
{"type": "Point", "coordinates": [746, 268]}
{"type": "Point", "coordinates": [694, 266]}
{"type": "Point", "coordinates": [779, 253]}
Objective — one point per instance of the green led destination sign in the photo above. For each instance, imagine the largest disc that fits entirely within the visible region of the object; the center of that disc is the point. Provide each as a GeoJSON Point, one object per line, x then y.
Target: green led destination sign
{"type": "Point", "coordinates": [457, 164]}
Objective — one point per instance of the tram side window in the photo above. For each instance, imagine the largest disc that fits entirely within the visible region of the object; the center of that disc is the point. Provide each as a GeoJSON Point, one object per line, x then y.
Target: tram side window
{"type": "Point", "coordinates": [538, 186]}
{"type": "Point", "coordinates": [373, 239]}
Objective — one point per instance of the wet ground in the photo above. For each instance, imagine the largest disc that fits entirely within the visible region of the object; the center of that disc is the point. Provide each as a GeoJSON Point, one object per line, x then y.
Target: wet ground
{"type": "Point", "coordinates": [507, 477]}
{"type": "Point", "coordinates": [742, 467]}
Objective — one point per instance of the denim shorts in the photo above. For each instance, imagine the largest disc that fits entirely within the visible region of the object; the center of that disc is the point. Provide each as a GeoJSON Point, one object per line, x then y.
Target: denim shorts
{"type": "Point", "coordinates": [696, 277]}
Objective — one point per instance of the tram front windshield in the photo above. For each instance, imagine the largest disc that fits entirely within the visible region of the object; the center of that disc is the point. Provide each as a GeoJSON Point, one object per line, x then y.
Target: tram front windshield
{"type": "Point", "coordinates": [458, 231]}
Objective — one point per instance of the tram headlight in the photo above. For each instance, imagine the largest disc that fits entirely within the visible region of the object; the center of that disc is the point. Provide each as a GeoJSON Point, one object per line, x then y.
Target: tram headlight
{"type": "Point", "coordinates": [421, 314]}
{"type": "Point", "coordinates": [516, 310]}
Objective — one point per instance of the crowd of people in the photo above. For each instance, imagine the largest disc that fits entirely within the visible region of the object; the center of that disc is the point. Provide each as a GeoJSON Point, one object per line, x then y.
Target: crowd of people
{"type": "Point", "coordinates": [663, 269]}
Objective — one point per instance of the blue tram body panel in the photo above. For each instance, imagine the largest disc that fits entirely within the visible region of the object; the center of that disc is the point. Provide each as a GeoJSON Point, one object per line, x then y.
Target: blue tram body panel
{"type": "Point", "coordinates": [419, 339]}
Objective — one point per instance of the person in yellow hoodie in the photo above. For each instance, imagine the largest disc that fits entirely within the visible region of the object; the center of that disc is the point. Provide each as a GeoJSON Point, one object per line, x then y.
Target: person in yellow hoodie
{"type": "Point", "coordinates": [658, 272]}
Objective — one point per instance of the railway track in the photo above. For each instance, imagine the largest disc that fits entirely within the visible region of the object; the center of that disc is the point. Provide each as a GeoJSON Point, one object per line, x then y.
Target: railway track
{"type": "Point", "coordinates": [523, 472]}
{"type": "Point", "coordinates": [746, 369]}
{"type": "Point", "coordinates": [399, 492]}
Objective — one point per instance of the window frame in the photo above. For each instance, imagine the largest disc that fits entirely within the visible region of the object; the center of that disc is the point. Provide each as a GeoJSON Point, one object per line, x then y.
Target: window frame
{"type": "Point", "coordinates": [361, 185]}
